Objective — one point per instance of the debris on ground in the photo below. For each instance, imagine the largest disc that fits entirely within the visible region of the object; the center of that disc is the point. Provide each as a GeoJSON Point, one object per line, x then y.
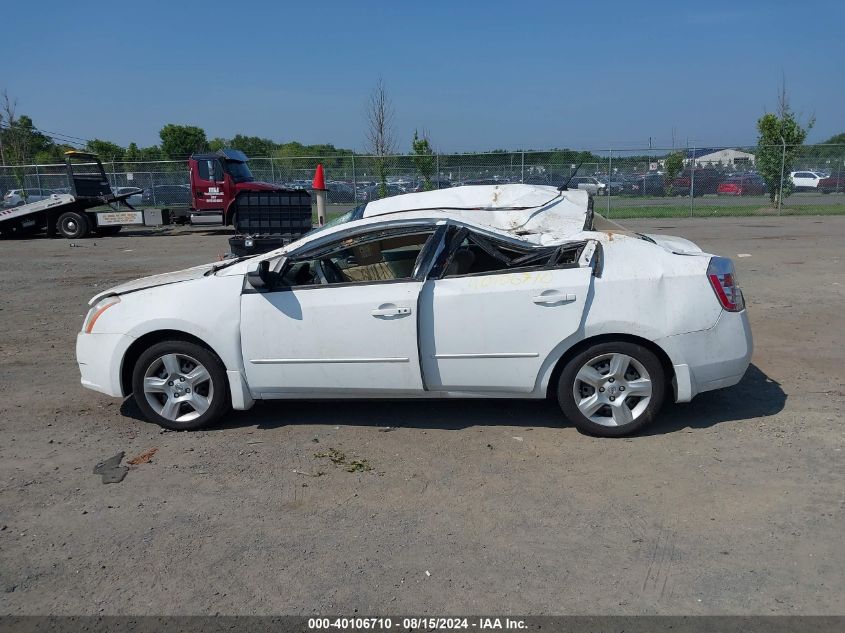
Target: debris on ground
{"type": "Point", "coordinates": [338, 458]}
{"type": "Point", "coordinates": [387, 429]}
{"type": "Point", "coordinates": [517, 438]}
{"type": "Point", "coordinates": [358, 465]}
{"type": "Point", "coordinates": [143, 458]}
{"type": "Point", "coordinates": [111, 470]}
{"type": "Point", "coordinates": [319, 473]}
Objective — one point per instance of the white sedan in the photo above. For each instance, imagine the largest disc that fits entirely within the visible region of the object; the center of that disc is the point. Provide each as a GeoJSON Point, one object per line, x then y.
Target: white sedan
{"type": "Point", "coordinates": [486, 291]}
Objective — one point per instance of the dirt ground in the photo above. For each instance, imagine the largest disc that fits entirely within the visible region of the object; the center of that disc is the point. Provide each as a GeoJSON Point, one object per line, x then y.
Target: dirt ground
{"type": "Point", "coordinates": [734, 503]}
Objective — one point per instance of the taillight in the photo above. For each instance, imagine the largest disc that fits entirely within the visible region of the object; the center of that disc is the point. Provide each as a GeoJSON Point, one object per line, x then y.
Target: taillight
{"type": "Point", "coordinates": [722, 277]}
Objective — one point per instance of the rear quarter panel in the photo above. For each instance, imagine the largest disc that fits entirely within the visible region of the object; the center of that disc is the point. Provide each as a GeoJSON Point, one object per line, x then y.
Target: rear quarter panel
{"type": "Point", "coordinates": [643, 290]}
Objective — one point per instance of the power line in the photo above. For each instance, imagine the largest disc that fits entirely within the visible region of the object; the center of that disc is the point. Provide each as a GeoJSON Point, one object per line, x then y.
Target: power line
{"type": "Point", "coordinates": [56, 136]}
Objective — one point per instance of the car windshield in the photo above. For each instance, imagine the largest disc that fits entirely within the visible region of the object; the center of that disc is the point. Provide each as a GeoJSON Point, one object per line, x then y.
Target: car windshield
{"type": "Point", "coordinates": [353, 214]}
{"type": "Point", "coordinates": [238, 171]}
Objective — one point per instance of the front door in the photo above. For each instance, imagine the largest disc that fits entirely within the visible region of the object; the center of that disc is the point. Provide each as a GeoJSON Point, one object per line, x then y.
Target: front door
{"type": "Point", "coordinates": [208, 185]}
{"type": "Point", "coordinates": [343, 321]}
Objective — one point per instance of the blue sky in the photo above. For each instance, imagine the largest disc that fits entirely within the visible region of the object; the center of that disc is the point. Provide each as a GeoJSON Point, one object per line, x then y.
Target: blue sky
{"type": "Point", "coordinates": [476, 75]}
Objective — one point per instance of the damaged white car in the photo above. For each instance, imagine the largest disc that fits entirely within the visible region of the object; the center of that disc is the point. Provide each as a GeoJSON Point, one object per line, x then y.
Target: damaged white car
{"type": "Point", "coordinates": [505, 291]}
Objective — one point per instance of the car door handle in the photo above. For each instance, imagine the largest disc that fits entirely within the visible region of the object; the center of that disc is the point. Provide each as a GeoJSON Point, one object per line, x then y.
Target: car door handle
{"type": "Point", "coordinates": [389, 310]}
{"type": "Point", "coordinates": [553, 296]}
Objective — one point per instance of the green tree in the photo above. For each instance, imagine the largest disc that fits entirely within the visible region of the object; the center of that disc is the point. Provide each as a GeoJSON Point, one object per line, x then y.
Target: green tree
{"type": "Point", "coordinates": [672, 166]}
{"type": "Point", "coordinates": [132, 153]}
{"type": "Point", "coordinates": [218, 143]}
{"type": "Point", "coordinates": [153, 152]}
{"type": "Point", "coordinates": [106, 150]}
{"type": "Point", "coordinates": [779, 140]}
{"type": "Point", "coordinates": [253, 146]}
{"type": "Point", "coordinates": [180, 141]}
{"type": "Point", "coordinates": [423, 157]}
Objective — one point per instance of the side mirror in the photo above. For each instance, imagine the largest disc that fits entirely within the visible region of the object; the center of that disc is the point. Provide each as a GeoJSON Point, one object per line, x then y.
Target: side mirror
{"type": "Point", "coordinates": [260, 277]}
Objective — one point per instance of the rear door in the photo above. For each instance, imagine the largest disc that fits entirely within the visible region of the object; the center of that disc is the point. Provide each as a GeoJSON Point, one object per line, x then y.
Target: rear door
{"type": "Point", "coordinates": [489, 325]}
{"type": "Point", "coordinates": [343, 320]}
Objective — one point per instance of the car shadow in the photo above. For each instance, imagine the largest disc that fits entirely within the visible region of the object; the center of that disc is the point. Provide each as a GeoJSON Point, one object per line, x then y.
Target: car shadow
{"type": "Point", "coordinates": [757, 395]}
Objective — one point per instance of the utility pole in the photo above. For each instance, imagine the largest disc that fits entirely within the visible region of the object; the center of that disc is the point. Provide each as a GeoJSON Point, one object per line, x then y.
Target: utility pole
{"type": "Point", "coordinates": [782, 165]}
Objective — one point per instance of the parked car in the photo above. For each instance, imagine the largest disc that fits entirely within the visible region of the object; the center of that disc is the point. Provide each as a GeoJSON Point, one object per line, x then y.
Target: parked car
{"type": "Point", "coordinates": [374, 192]}
{"type": "Point", "coordinates": [17, 197]}
{"type": "Point", "coordinates": [494, 180]}
{"type": "Point", "coordinates": [435, 184]}
{"type": "Point", "coordinates": [613, 184]}
{"type": "Point", "coordinates": [339, 191]}
{"type": "Point", "coordinates": [509, 291]}
{"type": "Point", "coordinates": [650, 184]}
{"type": "Point", "coordinates": [163, 195]}
{"type": "Point", "coordinates": [136, 199]}
{"type": "Point", "coordinates": [805, 180]}
{"type": "Point", "coordinates": [832, 184]}
{"type": "Point", "coordinates": [701, 181]}
{"type": "Point", "coordinates": [744, 185]}
{"type": "Point", "coordinates": [590, 184]}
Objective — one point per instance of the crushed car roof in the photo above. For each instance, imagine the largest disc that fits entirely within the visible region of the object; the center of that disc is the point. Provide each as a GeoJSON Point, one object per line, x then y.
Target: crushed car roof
{"type": "Point", "coordinates": [512, 208]}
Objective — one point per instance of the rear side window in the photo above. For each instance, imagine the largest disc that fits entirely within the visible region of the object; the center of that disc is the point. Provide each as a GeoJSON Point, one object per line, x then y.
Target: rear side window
{"type": "Point", "coordinates": [473, 254]}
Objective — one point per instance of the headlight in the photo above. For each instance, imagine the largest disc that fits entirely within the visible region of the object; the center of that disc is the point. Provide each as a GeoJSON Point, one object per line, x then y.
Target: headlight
{"type": "Point", "coordinates": [96, 310]}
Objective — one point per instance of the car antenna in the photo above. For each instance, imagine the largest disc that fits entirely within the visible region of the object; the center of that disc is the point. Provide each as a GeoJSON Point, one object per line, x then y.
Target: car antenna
{"type": "Point", "coordinates": [565, 186]}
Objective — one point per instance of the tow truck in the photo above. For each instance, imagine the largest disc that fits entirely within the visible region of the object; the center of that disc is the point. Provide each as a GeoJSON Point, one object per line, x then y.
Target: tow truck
{"type": "Point", "coordinates": [89, 207]}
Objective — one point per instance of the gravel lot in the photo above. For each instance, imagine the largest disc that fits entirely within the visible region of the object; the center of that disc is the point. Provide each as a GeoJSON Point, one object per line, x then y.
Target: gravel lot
{"type": "Point", "coordinates": [731, 504]}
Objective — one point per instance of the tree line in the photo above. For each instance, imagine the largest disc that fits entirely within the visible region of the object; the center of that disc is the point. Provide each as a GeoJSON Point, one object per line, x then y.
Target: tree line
{"type": "Point", "coordinates": [780, 137]}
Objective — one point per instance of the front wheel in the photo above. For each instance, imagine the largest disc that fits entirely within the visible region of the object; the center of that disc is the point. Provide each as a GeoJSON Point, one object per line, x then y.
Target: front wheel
{"type": "Point", "coordinates": [612, 389]}
{"type": "Point", "coordinates": [180, 385]}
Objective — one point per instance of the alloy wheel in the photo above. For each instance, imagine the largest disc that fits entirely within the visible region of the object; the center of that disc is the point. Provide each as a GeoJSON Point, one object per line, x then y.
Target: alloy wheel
{"type": "Point", "coordinates": [612, 389]}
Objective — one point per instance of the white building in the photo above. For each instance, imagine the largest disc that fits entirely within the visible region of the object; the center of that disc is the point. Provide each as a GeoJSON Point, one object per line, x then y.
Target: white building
{"type": "Point", "coordinates": [726, 157]}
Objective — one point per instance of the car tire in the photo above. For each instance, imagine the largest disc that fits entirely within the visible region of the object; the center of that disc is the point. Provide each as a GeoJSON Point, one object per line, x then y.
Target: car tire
{"type": "Point", "coordinates": [180, 385]}
{"type": "Point", "coordinates": [620, 388]}
{"type": "Point", "coordinates": [73, 225]}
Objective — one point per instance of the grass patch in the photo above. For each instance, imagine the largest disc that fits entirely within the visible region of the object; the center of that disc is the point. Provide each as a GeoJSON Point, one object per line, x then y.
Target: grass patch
{"type": "Point", "coordinates": [706, 211]}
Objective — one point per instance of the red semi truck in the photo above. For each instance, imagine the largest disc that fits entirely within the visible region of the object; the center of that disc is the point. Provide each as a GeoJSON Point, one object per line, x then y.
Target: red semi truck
{"type": "Point", "coordinates": [265, 216]}
{"type": "Point", "coordinates": [217, 179]}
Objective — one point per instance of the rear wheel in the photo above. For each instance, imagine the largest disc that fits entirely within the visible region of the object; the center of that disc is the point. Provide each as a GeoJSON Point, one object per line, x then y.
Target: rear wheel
{"type": "Point", "coordinates": [180, 385]}
{"type": "Point", "coordinates": [73, 225]}
{"type": "Point", "coordinates": [612, 389]}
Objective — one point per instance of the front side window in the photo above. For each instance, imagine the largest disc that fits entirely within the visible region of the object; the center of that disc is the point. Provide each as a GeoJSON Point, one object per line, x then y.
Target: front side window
{"type": "Point", "coordinates": [365, 259]}
{"type": "Point", "coordinates": [203, 169]}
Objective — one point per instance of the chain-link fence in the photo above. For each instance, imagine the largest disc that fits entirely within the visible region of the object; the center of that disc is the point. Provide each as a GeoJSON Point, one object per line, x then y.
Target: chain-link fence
{"type": "Point", "coordinates": [651, 182]}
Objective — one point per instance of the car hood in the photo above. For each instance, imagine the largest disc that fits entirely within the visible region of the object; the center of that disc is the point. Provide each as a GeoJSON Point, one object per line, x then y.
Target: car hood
{"type": "Point", "coordinates": [156, 280]}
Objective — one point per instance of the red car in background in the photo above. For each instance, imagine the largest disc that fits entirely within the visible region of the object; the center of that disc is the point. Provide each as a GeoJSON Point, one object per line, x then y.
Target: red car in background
{"type": "Point", "coordinates": [748, 185]}
{"type": "Point", "coordinates": [832, 184]}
